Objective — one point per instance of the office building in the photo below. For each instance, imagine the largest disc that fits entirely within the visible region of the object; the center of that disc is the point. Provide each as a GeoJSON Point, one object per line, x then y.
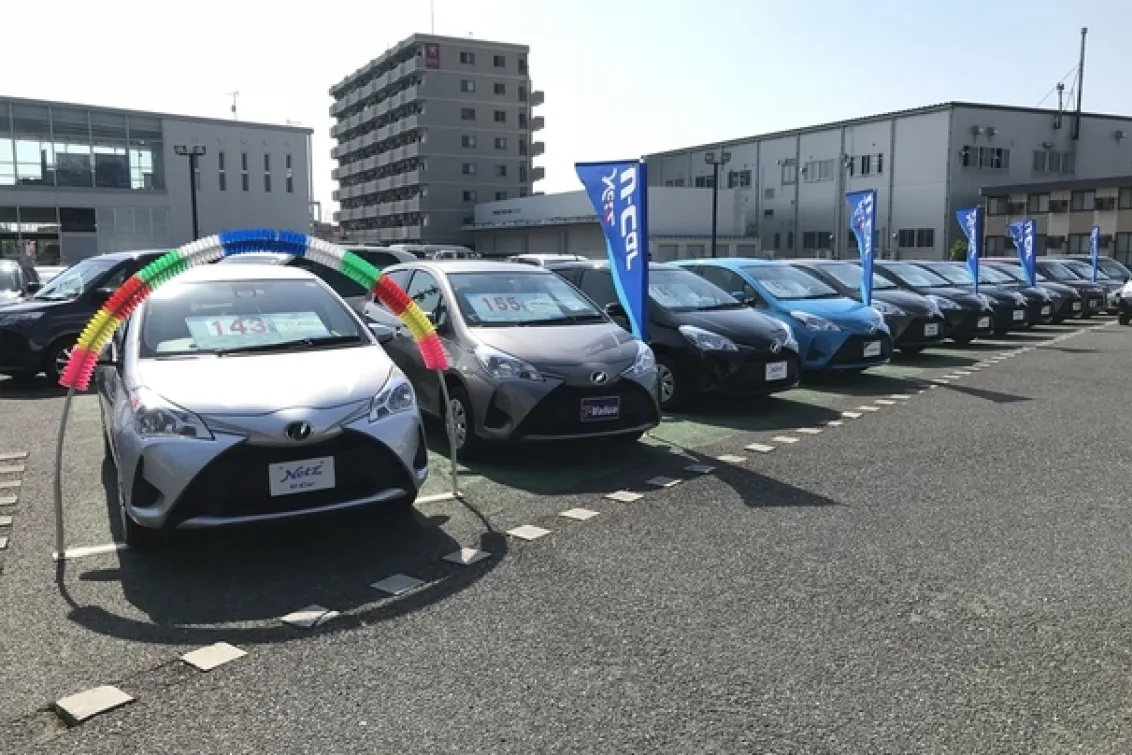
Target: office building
{"type": "Point", "coordinates": [1065, 213]}
{"type": "Point", "coordinates": [426, 131]}
{"type": "Point", "coordinates": [79, 180]}
{"type": "Point", "coordinates": [924, 163]}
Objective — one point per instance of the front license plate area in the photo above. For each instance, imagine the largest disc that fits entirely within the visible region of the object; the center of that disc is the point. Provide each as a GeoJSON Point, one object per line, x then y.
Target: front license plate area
{"type": "Point", "coordinates": [1045, 311]}
{"type": "Point", "coordinates": [872, 349]}
{"type": "Point", "coordinates": [984, 322]}
{"type": "Point", "coordinates": [1019, 315]}
{"type": "Point", "coordinates": [931, 329]}
{"type": "Point", "coordinates": [776, 371]}
{"type": "Point", "coordinates": [601, 409]}
{"type": "Point", "coordinates": [303, 476]}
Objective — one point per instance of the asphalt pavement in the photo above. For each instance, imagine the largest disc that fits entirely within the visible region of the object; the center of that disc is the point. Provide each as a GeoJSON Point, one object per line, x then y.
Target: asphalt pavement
{"type": "Point", "coordinates": [941, 569]}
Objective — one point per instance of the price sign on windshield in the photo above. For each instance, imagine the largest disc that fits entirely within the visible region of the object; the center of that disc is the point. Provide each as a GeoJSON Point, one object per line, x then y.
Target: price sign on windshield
{"type": "Point", "coordinates": [513, 307]}
{"type": "Point", "coordinates": [225, 331]}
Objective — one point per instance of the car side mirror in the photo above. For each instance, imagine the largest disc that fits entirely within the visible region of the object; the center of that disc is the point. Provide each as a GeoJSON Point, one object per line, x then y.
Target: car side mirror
{"type": "Point", "coordinates": [384, 333]}
{"type": "Point", "coordinates": [614, 309]}
{"type": "Point", "coordinates": [102, 295]}
{"type": "Point", "coordinates": [750, 301]}
{"type": "Point", "coordinates": [34, 286]}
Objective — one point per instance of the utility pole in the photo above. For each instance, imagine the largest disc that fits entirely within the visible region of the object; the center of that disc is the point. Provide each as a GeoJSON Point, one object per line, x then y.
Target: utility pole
{"type": "Point", "coordinates": [235, 96]}
{"type": "Point", "coordinates": [1080, 85]}
{"type": "Point", "coordinates": [716, 164]}
{"type": "Point", "coordinates": [193, 152]}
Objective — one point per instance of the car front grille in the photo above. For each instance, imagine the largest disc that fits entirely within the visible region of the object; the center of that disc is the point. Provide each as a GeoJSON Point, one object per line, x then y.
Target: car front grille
{"type": "Point", "coordinates": [560, 412]}
{"type": "Point", "coordinates": [236, 483]}
{"type": "Point", "coordinates": [853, 350]}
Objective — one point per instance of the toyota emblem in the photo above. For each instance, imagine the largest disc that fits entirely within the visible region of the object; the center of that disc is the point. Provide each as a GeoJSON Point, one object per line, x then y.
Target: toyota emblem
{"type": "Point", "coordinates": [599, 378]}
{"type": "Point", "coordinates": [298, 431]}
{"type": "Point", "coordinates": [775, 346]}
{"type": "Point", "coordinates": [872, 328]}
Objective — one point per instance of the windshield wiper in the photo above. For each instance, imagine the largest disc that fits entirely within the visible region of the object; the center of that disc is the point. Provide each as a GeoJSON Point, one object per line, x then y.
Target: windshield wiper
{"type": "Point", "coordinates": [593, 317]}
{"type": "Point", "coordinates": [722, 305]}
{"type": "Point", "coordinates": [301, 343]}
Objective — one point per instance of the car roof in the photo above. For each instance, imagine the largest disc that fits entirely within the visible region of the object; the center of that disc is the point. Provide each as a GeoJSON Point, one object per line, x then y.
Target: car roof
{"type": "Point", "coordinates": [276, 258]}
{"type": "Point", "coordinates": [205, 273]}
{"type": "Point", "coordinates": [9, 263]}
{"type": "Point", "coordinates": [448, 266]}
{"type": "Point", "coordinates": [600, 265]}
{"type": "Point", "coordinates": [120, 256]}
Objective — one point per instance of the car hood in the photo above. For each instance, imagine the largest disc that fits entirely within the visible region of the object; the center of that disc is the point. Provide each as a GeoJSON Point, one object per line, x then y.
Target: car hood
{"type": "Point", "coordinates": [840, 309]}
{"type": "Point", "coordinates": [964, 296]}
{"type": "Point", "coordinates": [911, 303]}
{"type": "Point", "coordinates": [599, 344]}
{"type": "Point", "coordinates": [745, 326]}
{"type": "Point", "coordinates": [265, 383]}
{"type": "Point", "coordinates": [28, 305]}
{"type": "Point", "coordinates": [1084, 286]}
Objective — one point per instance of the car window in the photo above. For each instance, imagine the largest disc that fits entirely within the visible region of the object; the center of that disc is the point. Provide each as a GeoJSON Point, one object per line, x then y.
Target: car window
{"type": "Point", "coordinates": [378, 259]}
{"type": "Point", "coordinates": [207, 316]}
{"type": "Point", "coordinates": [788, 283]}
{"type": "Point", "coordinates": [598, 285]}
{"type": "Point", "coordinates": [400, 277]}
{"type": "Point", "coordinates": [914, 275]}
{"type": "Point", "coordinates": [1113, 268]}
{"type": "Point", "coordinates": [993, 276]}
{"type": "Point", "coordinates": [425, 291]}
{"type": "Point", "coordinates": [342, 285]}
{"type": "Point", "coordinates": [77, 280]}
{"type": "Point", "coordinates": [1059, 271]}
{"type": "Point", "coordinates": [679, 290]}
{"type": "Point", "coordinates": [850, 276]}
{"type": "Point", "coordinates": [10, 279]}
{"type": "Point", "coordinates": [957, 274]}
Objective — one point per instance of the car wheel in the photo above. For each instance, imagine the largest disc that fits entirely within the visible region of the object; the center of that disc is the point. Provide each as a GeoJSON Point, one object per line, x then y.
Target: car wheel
{"type": "Point", "coordinates": [56, 358]}
{"type": "Point", "coordinates": [1124, 318]}
{"type": "Point", "coordinates": [911, 350]}
{"type": "Point", "coordinates": [669, 383]}
{"type": "Point", "coordinates": [137, 537]}
{"type": "Point", "coordinates": [460, 410]}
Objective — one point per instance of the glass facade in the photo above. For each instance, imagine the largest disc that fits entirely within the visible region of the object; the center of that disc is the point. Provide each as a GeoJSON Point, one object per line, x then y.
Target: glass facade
{"type": "Point", "coordinates": [68, 147]}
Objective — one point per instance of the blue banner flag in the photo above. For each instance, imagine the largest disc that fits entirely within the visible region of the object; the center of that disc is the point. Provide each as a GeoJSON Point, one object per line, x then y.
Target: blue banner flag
{"type": "Point", "coordinates": [1023, 234]}
{"type": "Point", "coordinates": [619, 194]}
{"type": "Point", "coordinates": [1095, 250]}
{"type": "Point", "coordinates": [971, 221]}
{"type": "Point", "coordinates": [862, 221]}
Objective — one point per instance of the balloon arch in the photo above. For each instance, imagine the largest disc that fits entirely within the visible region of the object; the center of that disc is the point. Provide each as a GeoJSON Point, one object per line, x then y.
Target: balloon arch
{"type": "Point", "coordinates": [117, 309]}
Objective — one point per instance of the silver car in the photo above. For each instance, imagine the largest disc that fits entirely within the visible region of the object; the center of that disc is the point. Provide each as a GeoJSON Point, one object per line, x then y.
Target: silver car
{"type": "Point", "coordinates": [242, 393]}
{"type": "Point", "coordinates": [533, 359]}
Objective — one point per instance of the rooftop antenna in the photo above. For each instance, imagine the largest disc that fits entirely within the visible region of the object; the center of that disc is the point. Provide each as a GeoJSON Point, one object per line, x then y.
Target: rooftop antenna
{"type": "Point", "coordinates": [1080, 85]}
{"type": "Point", "coordinates": [234, 96]}
{"type": "Point", "coordinates": [432, 16]}
{"type": "Point", "coordinates": [1060, 104]}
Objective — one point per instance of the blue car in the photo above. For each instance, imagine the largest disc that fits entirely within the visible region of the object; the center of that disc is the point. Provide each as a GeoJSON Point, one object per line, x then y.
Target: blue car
{"type": "Point", "coordinates": [834, 332]}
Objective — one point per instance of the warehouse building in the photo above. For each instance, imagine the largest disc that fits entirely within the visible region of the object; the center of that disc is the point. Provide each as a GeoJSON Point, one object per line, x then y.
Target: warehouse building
{"type": "Point", "coordinates": [428, 129]}
{"type": "Point", "coordinates": [78, 180]}
{"type": "Point", "coordinates": [924, 163]}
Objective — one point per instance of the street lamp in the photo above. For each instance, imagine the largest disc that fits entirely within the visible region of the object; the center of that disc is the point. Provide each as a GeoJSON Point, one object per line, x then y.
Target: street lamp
{"type": "Point", "coordinates": [193, 152]}
{"type": "Point", "coordinates": [710, 159]}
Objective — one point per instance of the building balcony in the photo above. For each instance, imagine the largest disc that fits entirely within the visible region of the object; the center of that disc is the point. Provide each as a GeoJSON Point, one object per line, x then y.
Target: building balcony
{"type": "Point", "coordinates": [336, 195]}
{"type": "Point", "coordinates": [411, 178]}
{"type": "Point", "coordinates": [538, 123]}
{"type": "Point", "coordinates": [538, 148]}
{"type": "Point", "coordinates": [399, 233]}
{"type": "Point", "coordinates": [538, 173]}
{"type": "Point", "coordinates": [538, 97]}
{"type": "Point", "coordinates": [399, 207]}
{"type": "Point", "coordinates": [337, 217]}
{"type": "Point", "coordinates": [369, 90]}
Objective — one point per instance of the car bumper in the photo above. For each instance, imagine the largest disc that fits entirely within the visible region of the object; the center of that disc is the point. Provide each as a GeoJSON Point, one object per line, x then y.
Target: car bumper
{"type": "Point", "coordinates": [1094, 303]}
{"type": "Point", "coordinates": [1068, 307]}
{"type": "Point", "coordinates": [917, 330]}
{"type": "Point", "coordinates": [1010, 317]}
{"type": "Point", "coordinates": [969, 323]}
{"type": "Point", "coordinates": [17, 354]}
{"type": "Point", "coordinates": [180, 483]}
{"type": "Point", "coordinates": [847, 351]}
{"type": "Point", "coordinates": [555, 409]}
{"type": "Point", "coordinates": [746, 372]}
{"type": "Point", "coordinates": [1039, 311]}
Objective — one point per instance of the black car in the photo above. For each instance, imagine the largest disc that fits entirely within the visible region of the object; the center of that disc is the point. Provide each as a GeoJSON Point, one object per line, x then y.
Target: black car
{"type": "Point", "coordinates": [916, 322]}
{"type": "Point", "coordinates": [705, 340]}
{"type": "Point", "coordinates": [1010, 310]}
{"type": "Point", "coordinates": [349, 289]}
{"type": "Point", "coordinates": [1114, 269]}
{"type": "Point", "coordinates": [1111, 285]}
{"type": "Point", "coordinates": [1040, 303]}
{"type": "Point", "coordinates": [1066, 300]}
{"type": "Point", "coordinates": [1092, 294]}
{"type": "Point", "coordinates": [969, 315]}
{"type": "Point", "coordinates": [38, 333]}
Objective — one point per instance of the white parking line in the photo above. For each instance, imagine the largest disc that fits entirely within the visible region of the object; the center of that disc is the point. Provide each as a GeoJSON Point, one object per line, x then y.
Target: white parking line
{"type": "Point", "coordinates": [8, 500]}
{"type": "Point", "coordinates": [310, 617]}
{"type": "Point", "coordinates": [785, 439]}
{"type": "Point", "coordinates": [5, 521]}
{"type": "Point", "coordinates": [395, 584]}
{"type": "Point", "coordinates": [624, 496]}
{"type": "Point", "coordinates": [867, 408]}
{"type": "Point", "coordinates": [528, 532]}
{"type": "Point", "coordinates": [466, 556]}
{"type": "Point", "coordinates": [579, 515]}
{"type": "Point", "coordinates": [212, 656]}
{"type": "Point", "coordinates": [852, 415]}
{"type": "Point", "coordinates": [731, 459]}
{"type": "Point", "coordinates": [12, 469]}
{"type": "Point", "coordinates": [885, 402]}
{"type": "Point", "coordinates": [660, 481]}
{"type": "Point", "coordinates": [86, 705]}
{"type": "Point", "coordinates": [834, 423]}
{"type": "Point", "coordinates": [13, 456]}
{"type": "Point", "coordinates": [90, 550]}
{"type": "Point", "coordinates": [808, 430]}
{"type": "Point", "coordinates": [900, 396]}
{"type": "Point", "coordinates": [759, 448]}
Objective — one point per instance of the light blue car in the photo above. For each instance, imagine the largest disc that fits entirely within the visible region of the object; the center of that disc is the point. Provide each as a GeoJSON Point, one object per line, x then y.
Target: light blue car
{"type": "Point", "coordinates": [834, 332]}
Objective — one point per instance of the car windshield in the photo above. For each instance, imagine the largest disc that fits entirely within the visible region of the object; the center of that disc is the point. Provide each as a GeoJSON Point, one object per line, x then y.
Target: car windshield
{"type": "Point", "coordinates": [9, 279]}
{"type": "Point", "coordinates": [507, 299]}
{"type": "Point", "coordinates": [850, 276]}
{"type": "Point", "coordinates": [914, 275]}
{"type": "Point", "coordinates": [75, 280]}
{"type": "Point", "coordinates": [217, 317]}
{"type": "Point", "coordinates": [1059, 271]}
{"type": "Point", "coordinates": [788, 283]}
{"type": "Point", "coordinates": [684, 291]}
{"type": "Point", "coordinates": [957, 274]}
{"type": "Point", "coordinates": [1015, 272]}
{"type": "Point", "coordinates": [994, 277]}
{"type": "Point", "coordinates": [1085, 270]}
{"type": "Point", "coordinates": [1114, 269]}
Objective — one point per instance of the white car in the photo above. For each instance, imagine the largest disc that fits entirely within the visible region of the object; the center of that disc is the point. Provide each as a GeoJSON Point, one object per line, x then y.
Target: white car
{"type": "Point", "coordinates": [540, 260]}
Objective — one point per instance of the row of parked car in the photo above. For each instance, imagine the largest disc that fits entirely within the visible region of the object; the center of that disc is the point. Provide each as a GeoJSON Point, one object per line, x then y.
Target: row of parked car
{"type": "Point", "coordinates": [267, 386]}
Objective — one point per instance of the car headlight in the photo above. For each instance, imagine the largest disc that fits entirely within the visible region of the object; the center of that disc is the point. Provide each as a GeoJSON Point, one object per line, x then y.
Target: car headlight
{"type": "Point", "coordinates": [643, 363]}
{"type": "Point", "coordinates": [1046, 295]}
{"type": "Point", "coordinates": [813, 322]}
{"type": "Point", "coordinates": [1127, 290]}
{"type": "Point", "coordinates": [985, 300]}
{"type": "Point", "coordinates": [791, 341]}
{"type": "Point", "coordinates": [503, 366]}
{"type": "Point", "coordinates": [397, 396]}
{"type": "Point", "coordinates": [884, 308]}
{"type": "Point", "coordinates": [1019, 299]}
{"type": "Point", "coordinates": [942, 302]}
{"type": "Point", "coordinates": [19, 319]}
{"type": "Point", "coordinates": [706, 340]}
{"type": "Point", "coordinates": [155, 417]}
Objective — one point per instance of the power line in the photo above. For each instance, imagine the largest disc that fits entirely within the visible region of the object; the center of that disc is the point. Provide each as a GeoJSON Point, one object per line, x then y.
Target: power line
{"type": "Point", "coordinates": [1050, 93]}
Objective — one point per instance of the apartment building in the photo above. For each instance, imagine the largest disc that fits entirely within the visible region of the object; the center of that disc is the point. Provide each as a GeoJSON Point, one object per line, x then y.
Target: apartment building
{"type": "Point", "coordinates": [1065, 213]}
{"type": "Point", "coordinates": [924, 163]}
{"type": "Point", "coordinates": [427, 130]}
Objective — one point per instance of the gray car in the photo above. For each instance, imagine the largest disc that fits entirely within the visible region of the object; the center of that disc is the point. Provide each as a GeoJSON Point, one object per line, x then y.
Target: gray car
{"type": "Point", "coordinates": [533, 359]}
{"type": "Point", "coordinates": [242, 393]}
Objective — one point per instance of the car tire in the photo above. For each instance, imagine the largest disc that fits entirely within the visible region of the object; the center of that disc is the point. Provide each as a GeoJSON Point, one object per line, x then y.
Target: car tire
{"type": "Point", "coordinates": [911, 350]}
{"type": "Point", "coordinates": [468, 444]}
{"type": "Point", "coordinates": [670, 383]}
{"type": "Point", "coordinates": [56, 356]}
{"type": "Point", "coordinates": [136, 537]}
{"type": "Point", "coordinates": [1124, 319]}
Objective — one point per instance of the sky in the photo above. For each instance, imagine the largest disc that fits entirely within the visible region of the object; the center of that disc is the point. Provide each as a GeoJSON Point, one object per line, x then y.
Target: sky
{"type": "Point", "coordinates": [622, 78]}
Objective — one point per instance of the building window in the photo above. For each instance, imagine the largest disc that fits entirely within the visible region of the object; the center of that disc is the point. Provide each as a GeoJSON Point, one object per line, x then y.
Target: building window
{"type": "Point", "coordinates": [789, 173]}
{"type": "Point", "coordinates": [499, 61]}
{"type": "Point", "coordinates": [468, 220]}
{"type": "Point", "coordinates": [500, 196]}
{"type": "Point", "coordinates": [522, 120]}
{"type": "Point", "coordinates": [738, 179]}
{"type": "Point", "coordinates": [995, 245]}
{"type": "Point", "coordinates": [825, 240]}
{"type": "Point", "coordinates": [499, 88]}
{"type": "Point", "coordinates": [985, 158]}
{"type": "Point", "coordinates": [468, 169]}
{"type": "Point", "coordinates": [522, 192]}
{"type": "Point", "coordinates": [467, 85]}
{"type": "Point", "coordinates": [704, 182]}
{"type": "Point", "coordinates": [998, 205]}
{"type": "Point", "coordinates": [768, 193]}
{"type": "Point", "coordinates": [522, 93]}
{"type": "Point", "coordinates": [768, 213]}
{"type": "Point", "coordinates": [245, 181]}
{"type": "Point", "coordinates": [266, 163]}
{"type": "Point", "coordinates": [1051, 161]}
{"type": "Point", "coordinates": [468, 141]}
{"type": "Point", "coordinates": [906, 238]}
{"type": "Point", "coordinates": [221, 175]}
{"type": "Point", "coordinates": [467, 113]}
{"type": "Point", "coordinates": [866, 165]}
{"type": "Point", "coordinates": [522, 146]}
{"type": "Point", "coordinates": [469, 195]}
{"type": "Point", "coordinates": [500, 171]}
{"type": "Point", "coordinates": [522, 65]}
{"type": "Point", "coordinates": [523, 173]}
{"type": "Point", "coordinates": [851, 166]}
{"type": "Point", "coordinates": [500, 116]}
{"type": "Point", "coordinates": [500, 142]}
{"type": "Point", "coordinates": [777, 240]}
{"type": "Point", "coordinates": [267, 182]}
{"type": "Point", "coordinates": [1124, 243]}
{"type": "Point", "coordinates": [790, 239]}
{"type": "Point", "coordinates": [468, 58]}
{"type": "Point", "coordinates": [818, 170]}
{"type": "Point", "coordinates": [1083, 201]}
{"type": "Point", "coordinates": [1037, 203]}
{"type": "Point", "coordinates": [809, 241]}
{"type": "Point", "coordinates": [290, 176]}
{"type": "Point", "coordinates": [1078, 243]}
{"type": "Point", "coordinates": [925, 238]}
{"type": "Point", "coordinates": [1125, 200]}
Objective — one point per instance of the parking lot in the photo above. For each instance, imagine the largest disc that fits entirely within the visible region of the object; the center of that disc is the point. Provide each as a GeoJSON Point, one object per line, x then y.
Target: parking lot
{"type": "Point", "coordinates": [932, 556]}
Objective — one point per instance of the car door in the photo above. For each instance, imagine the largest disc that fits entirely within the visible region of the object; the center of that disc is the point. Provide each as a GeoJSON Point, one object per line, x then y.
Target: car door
{"type": "Point", "coordinates": [424, 289]}
{"type": "Point", "coordinates": [110, 380]}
